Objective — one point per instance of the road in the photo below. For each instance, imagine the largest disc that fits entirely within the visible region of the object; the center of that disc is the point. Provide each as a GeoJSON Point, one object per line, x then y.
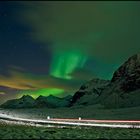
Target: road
{"type": "Point", "coordinates": [73, 122]}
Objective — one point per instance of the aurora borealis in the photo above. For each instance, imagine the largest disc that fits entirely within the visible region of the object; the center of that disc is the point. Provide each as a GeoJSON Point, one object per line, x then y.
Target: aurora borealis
{"type": "Point", "coordinates": [53, 47]}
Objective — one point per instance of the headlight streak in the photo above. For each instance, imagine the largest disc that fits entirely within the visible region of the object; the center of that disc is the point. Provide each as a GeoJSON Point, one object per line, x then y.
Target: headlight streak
{"type": "Point", "coordinates": [48, 123]}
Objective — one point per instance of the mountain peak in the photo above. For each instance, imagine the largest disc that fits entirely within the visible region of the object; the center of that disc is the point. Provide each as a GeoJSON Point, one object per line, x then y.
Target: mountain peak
{"type": "Point", "coordinates": [124, 86]}
{"type": "Point", "coordinates": [52, 97]}
{"type": "Point", "coordinates": [27, 97]}
{"type": "Point", "coordinates": [135, 57]}
{"type": "Point", "coordinates": [40, 96]}
{"type": "Point", "coordinates": [130, 68]}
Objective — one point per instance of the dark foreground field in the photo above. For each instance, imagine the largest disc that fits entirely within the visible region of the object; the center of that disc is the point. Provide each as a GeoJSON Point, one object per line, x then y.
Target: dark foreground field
{"type": "Point", "coordinates": [86, 112]}
{"type": "Point", "coordinates": [10, 131]}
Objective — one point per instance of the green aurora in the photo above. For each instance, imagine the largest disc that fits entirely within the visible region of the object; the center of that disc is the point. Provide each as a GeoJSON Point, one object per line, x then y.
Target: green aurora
{"type": "Point", "coordinates": [82, 40]}
{"type": "Point", "coordinates": [43, 92]}
{"type": "Point", "coordinates": [76, 30]}
{"type": "Point", "coordinates": [64, 63]}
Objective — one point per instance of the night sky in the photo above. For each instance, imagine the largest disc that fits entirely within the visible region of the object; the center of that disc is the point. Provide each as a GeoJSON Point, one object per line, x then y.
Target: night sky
{"type": "Point", "coordinates": [54, 47]}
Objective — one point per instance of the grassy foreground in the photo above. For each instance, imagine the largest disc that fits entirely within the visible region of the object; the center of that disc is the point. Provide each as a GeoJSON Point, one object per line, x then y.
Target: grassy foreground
{"type": "Point", "coordinates": [10, 131]}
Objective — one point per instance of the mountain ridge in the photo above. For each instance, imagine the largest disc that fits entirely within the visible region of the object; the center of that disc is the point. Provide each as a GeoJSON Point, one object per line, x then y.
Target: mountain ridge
{"type": "Point", "coordinates": [27, 101]}
{"type": "Point", "coordinates": [123, 90]}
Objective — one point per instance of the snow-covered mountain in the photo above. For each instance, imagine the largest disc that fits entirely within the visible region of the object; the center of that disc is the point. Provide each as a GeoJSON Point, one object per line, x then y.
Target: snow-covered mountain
{"type": "Point", "coordinates": [89, 92]}
{"type": "Point", "coordinates": [52, 101]}
{"type": "Point", "coordinates": [123, 90]}
{"type": "Point", "coordinates": [25, 101]}
{"type": "Point", "coordinates": [42, 101]}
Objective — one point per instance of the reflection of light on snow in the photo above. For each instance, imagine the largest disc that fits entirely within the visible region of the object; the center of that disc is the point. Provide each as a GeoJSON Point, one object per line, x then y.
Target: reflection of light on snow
{"type": "Point", "coordinates": [29, 124]}
{"type": "Point", "coordinates": [49, 123]}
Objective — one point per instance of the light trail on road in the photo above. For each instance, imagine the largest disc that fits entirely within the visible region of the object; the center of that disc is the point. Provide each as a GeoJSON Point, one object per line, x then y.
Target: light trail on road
{"type": "Point", "coordinates": [101, 123]}
{"type": "Point", "coordinates": [92, 120]}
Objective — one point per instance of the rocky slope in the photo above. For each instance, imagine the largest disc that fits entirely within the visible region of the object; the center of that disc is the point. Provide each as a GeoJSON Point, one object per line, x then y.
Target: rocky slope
{"type": "Point", "coordinates": [89, 92]}
{"type": "Point", "coordinates": [124, 88]}
{"type": "Point", "coordinates": [128, 74]}
{"type": "Point", "coordinates": [122, 91]}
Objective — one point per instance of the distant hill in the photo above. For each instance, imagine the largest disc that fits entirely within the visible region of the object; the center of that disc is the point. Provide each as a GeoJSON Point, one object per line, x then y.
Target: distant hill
{"type": "Point", "coordinates": [25, 101]}
{"type": "Point", "coordinates": [28, 102]}
{"type": "Point", "coordinates": [52, 101]}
